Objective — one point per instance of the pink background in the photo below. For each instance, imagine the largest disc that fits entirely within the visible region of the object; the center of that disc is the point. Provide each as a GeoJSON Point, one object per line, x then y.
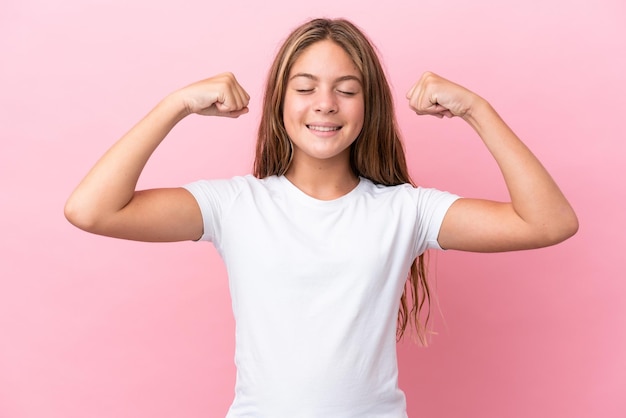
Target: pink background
{"type": "Point", "coordinates": [96, 327]}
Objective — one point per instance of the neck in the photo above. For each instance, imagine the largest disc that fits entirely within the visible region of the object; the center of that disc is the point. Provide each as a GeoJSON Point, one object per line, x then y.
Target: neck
{"type": "Point", "coordinates": [322, 180]}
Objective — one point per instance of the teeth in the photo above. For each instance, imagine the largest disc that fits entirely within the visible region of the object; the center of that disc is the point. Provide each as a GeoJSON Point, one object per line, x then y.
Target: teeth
{"type": "Point", "coordinates": [324, 128]}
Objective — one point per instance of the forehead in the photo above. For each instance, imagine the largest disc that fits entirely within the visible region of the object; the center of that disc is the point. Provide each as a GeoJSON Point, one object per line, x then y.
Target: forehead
{"type": "Point", "coordinates": [324, 59]}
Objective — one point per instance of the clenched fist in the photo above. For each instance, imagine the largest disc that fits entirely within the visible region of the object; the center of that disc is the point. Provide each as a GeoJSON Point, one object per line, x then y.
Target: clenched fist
{"type": "Point", "coordinates": [436, 96]}
{"type": "Point", "coordinates": [220, 95]}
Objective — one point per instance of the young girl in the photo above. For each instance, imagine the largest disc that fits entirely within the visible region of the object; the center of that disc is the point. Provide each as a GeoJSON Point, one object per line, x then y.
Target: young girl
{"type": "Point", "coordinates": [320, 241]}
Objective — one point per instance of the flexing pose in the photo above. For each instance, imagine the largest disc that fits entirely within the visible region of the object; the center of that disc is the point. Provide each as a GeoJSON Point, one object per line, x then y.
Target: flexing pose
{"type": "Point", "coordinates": [324, 239]}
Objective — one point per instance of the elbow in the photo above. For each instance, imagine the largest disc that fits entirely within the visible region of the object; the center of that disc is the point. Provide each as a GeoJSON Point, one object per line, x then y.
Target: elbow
{"type": "Point", "coordinates": [571, 227]}
{"type": "Point", "coordinates": [72, 213]}
{"type": "Point", "coordinates": [79, 216]}
{"type": "Point", "coordinates": [562, 229]}
{"type": "Point", "coordinates": [570, 224]}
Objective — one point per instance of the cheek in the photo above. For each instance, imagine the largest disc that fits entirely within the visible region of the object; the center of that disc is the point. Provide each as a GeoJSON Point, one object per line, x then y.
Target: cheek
{"type": "Point", "coordinates": [291, 116]}
{"type": "Point", "coordinates": [292, 112]}
{"type": "Point", "coordinates": [359, 116]}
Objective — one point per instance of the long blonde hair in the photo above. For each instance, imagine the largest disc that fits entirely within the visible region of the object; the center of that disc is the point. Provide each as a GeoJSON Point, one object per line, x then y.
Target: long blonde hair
{"type": "Point", "coordinates": [377, 154]}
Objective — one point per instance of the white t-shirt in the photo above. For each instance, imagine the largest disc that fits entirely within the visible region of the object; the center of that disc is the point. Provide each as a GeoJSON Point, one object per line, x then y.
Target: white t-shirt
{"type": "Point", "coordinates": [315, 289]}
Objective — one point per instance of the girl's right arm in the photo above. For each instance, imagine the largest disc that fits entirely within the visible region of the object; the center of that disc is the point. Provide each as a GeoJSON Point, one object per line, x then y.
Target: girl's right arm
{"type": "Point", "coordinates": [106, 202]}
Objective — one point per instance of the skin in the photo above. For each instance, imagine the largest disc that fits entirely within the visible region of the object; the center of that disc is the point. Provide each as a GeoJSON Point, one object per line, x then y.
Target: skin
{"type": "Point", "coordinates": [324, 92]}
{"type": "Point", "coordinates": [537, 214]}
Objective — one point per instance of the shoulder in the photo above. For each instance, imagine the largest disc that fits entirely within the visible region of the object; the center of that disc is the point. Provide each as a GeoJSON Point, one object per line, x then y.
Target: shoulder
{"type": "Point", "coordinates": [404, 191]}
{"type": "Point", "coordinates": [218, 199]}
{"type": "Point", "coordinates": [421, 201]}
{"type": "Point", "coordinates": [233, 185]}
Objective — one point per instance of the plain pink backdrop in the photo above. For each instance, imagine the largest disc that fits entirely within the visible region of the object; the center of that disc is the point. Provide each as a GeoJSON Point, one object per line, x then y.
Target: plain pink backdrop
{"type": "Point", "coordinates": [96, 327]}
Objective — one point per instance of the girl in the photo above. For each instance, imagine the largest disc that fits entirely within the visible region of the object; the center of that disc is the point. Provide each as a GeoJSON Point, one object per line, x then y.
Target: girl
{"type": "Point", "coordinates": [319, 243]}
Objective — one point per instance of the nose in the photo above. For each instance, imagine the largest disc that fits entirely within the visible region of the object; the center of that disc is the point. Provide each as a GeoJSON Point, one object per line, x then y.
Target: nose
{"type": "Point", "coordinates": [326, 102]}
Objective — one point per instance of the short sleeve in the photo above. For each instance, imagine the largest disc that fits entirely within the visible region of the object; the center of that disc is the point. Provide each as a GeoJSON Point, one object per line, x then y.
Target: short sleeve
{"type": "Point", "coordinates": [214, 197]}
{"type": "Point", "coordinates": [432, 206]}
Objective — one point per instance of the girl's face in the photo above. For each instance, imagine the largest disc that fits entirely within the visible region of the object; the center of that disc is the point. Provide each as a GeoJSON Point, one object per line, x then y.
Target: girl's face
{"type": "Point", "coordinates": [323, 109]}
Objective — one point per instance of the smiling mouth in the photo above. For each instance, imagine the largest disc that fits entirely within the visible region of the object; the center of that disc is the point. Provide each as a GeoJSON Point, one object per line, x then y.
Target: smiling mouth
{"type": "Point", "coordinates": [323, 128]}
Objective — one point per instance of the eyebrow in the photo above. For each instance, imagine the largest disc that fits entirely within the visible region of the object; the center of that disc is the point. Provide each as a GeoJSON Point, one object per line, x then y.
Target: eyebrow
{"type": "Point", "coordinates": [314, 78]}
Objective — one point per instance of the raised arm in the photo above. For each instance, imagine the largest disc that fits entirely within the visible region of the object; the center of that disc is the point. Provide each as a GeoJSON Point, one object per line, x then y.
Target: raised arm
{"type": "Point", "coordinates": [538, 213]}
{"type": "Point", "coordinates": [106, 202]}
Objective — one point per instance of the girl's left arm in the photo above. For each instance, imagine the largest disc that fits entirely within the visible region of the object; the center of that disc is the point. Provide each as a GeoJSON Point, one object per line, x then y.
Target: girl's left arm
{"type": "Point", "coordinates": [538, 214]}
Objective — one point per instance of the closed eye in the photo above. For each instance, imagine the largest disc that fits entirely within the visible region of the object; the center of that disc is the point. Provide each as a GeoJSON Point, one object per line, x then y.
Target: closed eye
{"type": "Point", "coordinates": [304, 90]}
{"type": "Point", "coordinates": [347, 93]}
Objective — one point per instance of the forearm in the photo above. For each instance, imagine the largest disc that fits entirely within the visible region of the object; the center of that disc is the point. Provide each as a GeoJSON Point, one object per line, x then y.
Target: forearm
{"type": "Point", "coordinates": [111, 183]}
{"type": "Point", "coordinates": [535, 197]}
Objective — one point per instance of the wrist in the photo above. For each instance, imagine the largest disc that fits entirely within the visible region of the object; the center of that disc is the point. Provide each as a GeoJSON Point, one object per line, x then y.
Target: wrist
{"type": "Point", "coordinates": [478, 113]}
{"type": "Point", "coordinates": [173, 107]}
